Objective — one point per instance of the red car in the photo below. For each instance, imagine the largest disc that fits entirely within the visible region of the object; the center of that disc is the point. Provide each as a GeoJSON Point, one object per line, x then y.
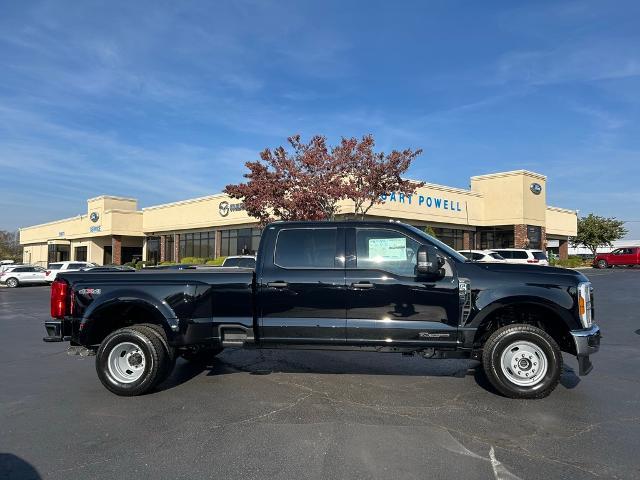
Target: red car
{"type": "Point", "coordinates": [620, 256]}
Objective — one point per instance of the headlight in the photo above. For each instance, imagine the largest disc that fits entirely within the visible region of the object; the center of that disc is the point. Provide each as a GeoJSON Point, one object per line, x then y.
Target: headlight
{"type": "Point", "coordinates": [584, 303]}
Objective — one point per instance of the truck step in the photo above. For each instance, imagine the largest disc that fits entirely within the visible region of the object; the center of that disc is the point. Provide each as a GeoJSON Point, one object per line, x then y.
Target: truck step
{"type": "Point", "coordinates": [234, 336]}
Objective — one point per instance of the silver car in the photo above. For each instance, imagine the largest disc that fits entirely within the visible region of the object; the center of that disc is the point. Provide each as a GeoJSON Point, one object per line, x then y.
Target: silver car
{"type": "Point", "coordinates": [18, 275]}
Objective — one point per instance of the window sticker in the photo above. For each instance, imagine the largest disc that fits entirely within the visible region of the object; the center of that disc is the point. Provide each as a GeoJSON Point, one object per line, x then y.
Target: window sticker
{"type": "Point", "coordinates": [385, 249]}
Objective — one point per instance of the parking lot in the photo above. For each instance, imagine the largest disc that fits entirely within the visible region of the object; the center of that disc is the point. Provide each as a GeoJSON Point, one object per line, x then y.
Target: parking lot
{"type": "Point", "coordinates": [301, 414]}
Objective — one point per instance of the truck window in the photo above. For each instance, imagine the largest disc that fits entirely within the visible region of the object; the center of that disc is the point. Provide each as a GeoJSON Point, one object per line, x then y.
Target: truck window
{"type": "Point", "coordinates": [386, 250]}
{"type": "Point", "coordinates": [306, 248]}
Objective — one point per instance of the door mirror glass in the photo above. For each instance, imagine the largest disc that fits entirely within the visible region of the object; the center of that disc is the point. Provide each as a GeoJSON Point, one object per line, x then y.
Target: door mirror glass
{"type": "Point", "coordinates": [428, 262]}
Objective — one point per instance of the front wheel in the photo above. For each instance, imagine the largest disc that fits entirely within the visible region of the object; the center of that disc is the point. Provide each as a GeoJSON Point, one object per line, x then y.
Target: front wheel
{"type": "Point", "coordinates": [602, 264]}
{"type": "Point", "coordinates": [12, 282]}
{"type": "Point", "coordinates": [522, 361]}
{"type": "Point", "coordinates": [131, 361]}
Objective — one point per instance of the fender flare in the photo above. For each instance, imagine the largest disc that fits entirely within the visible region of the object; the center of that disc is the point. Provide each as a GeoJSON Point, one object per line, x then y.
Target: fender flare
{"type": "Point", "coordinates": [162, 311]}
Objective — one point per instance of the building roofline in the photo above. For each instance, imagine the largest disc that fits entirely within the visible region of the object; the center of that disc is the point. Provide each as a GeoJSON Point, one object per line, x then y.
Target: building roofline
{"type": "Point", "coordinates": [52, 222]}
{"type": "Point", "coordinates": [113, 197]}
{"type": "Point", "coordinates": [560, 209]}
{"type": "Point", "coordinates": [509, 173]}
{"type": "Point", "coordinates": [185, 202]}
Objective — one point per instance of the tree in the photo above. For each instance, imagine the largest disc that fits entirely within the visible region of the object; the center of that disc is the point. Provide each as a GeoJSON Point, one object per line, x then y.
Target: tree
{"type": "Point", "coordinates": [595, 231]}
{"type": "Point", "coordinates": [305, 184]}
{"type": "Point", "coordinates": [10, 246]}
{"type": "Point", "coordinates": [429, 231]}
{"type": "Point", "coordinates": [308, 182]}
{"type": "Point", "coordinates": [369, 175]}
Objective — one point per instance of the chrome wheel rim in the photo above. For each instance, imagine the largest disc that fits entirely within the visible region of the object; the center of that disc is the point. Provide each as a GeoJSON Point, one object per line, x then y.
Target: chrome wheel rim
{"type": "Point", "coordinates": [12, 283]}
{"type": "Point", "coordinates": [524, 363]}
{"type": "Point", "coordinates": [126, 362]}
{"type": "Point", "coordinates": [602, 264]}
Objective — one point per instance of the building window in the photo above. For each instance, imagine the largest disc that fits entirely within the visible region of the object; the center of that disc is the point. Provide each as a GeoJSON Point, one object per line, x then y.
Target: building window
{"type": "Point", "coordinates": [495, 237]}
{"type": "Point", "coordinates": [243, 241]}
{"type": "Point", "coordinates": [534, 235]}
{"type": "Point", "coordinates": [80, 254]}
{"type": "Point", "coordinates": [153, 251]}
{"type": "Point", "coordinates": [58, 253]}
{"type": "Point", "coordinates": [198, 244]}
{"type": "Point", "coordinates": [168, 248]}
{"type": "Point", "coordinates": [451, 236]}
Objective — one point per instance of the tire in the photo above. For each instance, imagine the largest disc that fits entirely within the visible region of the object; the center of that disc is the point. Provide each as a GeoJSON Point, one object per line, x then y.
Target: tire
{"type": "Point", "coordinates": [12, 282]}
{"type": "Point", "coordinates": [131, 361]}
{"type": "Point", "coordinates": [603, 264]}
{"type": "Point", "coordinates": [519, 346]}
{"type": "Point", "coordinates": [201, 355]}
{"type": "Point", "coordinates": [152, 329]}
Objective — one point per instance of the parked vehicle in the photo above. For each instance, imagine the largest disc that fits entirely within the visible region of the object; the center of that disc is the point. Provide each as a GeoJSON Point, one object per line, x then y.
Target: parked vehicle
{"type": "Point", "coordinates": [372, 286]}
{"type": "Point", "coordinates": [54, 268]}
{"type": "Point", "coordinates": [523, 255]}
{"type": "Point", "coordinates": [20, 275]}
{"type": "Point", "coordinates": [482, 255]}
{"type": "Point", "coordinates": [8, 264]}
{"type": "Point", "coordinates": [243, 261]}
{"type": "Point", "coordinates": [629, 256]}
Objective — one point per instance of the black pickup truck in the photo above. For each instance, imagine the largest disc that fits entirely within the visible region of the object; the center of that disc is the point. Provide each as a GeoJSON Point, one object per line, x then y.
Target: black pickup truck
{"type": "Point", "coordinates": [373, 286]}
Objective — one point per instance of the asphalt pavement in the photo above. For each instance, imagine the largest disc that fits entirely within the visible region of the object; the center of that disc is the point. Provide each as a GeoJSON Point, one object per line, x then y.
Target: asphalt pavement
{"type": "Point", "coordinates": [309, 414]}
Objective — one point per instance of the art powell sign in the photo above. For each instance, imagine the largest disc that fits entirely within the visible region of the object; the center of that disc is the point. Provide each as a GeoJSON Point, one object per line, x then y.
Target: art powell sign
{"type": "Point", "coordinates": [426, 201]}
{"type": "Point", "coordinates": [225, 207]}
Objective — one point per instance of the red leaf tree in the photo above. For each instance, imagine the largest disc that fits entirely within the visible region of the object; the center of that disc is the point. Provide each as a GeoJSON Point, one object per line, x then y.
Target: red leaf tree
{"type": "Point", "coordinates": [369, 175]}
{"type": "Point", "coordinates": [308, 182]}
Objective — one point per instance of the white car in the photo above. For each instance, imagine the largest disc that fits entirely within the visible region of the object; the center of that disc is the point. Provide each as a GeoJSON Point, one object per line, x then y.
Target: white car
{"type": "Point", "coordinates": [18, 275]}
{"type": "Point", "coordinates": [523, 255]}
{"type": "Point", "coordinates": [243, 261]}
{"type": "Point", "coordinates": [57, 267]}
{"type": "Point", "coordinates": [483, 256]}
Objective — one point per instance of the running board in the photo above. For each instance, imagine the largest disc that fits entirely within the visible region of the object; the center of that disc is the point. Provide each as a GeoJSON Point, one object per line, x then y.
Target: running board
{"type": "Point", "coordinates": [235, 335]}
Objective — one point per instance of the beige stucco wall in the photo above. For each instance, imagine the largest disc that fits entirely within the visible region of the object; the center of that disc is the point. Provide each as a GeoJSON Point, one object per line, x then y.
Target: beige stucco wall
{"type": "Point", "coordinates": [508, 199]}
{"type": "Point", "coordinates": [193, 214]}
{"type": "Point", "coordinates": [561, 221]}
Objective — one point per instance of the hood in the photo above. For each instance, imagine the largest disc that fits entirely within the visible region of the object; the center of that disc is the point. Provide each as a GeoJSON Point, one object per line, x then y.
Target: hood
{"type": "Point", "coordinates": [528, 269]}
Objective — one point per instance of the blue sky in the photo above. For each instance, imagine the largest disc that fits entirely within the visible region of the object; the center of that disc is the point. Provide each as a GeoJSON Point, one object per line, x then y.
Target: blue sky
{"type": "Point", "coordinates": [166, 100]}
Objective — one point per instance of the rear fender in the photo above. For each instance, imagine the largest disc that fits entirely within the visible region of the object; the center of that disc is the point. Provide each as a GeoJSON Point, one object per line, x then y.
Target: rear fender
{"type": "Point", "coordinates": [111, 309]}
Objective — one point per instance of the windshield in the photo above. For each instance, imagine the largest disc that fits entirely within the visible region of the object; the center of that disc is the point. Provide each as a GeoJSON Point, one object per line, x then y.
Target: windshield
{"type": "Point", "coordinates": [442, 246]}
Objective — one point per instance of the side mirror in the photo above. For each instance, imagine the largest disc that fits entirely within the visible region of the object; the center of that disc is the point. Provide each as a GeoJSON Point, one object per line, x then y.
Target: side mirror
{"type": "Point", "coordinates": [428, 263]}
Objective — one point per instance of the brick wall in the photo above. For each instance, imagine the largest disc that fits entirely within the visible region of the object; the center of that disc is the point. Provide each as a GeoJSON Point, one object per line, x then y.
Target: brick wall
{"type": "Point", "coordinates": [466, 240]}
{"type": "Point", "coordinates": [521, 239]}
{"type": "Point", "coordinates": [564, 249]}
{"type": "Point", "coordinates": [116, 249]}
{"type": "Point", "coordinates": [176, 248]}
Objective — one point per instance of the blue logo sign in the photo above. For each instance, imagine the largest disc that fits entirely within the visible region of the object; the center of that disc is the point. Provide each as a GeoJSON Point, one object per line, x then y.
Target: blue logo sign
{"type": "Point", "coordinates": [426, 201]}
{"type": "Point", "coordinates": [94, 217]}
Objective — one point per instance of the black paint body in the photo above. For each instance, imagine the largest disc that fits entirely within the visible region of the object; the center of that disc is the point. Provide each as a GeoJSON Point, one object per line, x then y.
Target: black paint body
{"type": "Point", "coordinates": [320, 307]}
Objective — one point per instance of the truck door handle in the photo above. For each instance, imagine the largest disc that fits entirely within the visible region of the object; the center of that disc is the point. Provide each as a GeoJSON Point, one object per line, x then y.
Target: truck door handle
{"type": "Point", "coordinates": [278, 284]}
{"type": "Point", "coordinates": [362, 285]}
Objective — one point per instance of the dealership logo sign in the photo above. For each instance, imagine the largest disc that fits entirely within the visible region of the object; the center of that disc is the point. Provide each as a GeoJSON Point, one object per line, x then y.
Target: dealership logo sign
{"type": "Point", "coordinates": [426, 201]}
{"type": "Point", "coordinates": [94, 217]}
{"type": "Point", "coordinates": [536, 188]}
{"type": "Point", "coordinates": [225, 207]}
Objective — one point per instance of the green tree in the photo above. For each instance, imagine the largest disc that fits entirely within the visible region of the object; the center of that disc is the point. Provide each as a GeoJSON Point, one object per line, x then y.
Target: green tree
{"type": "Point", "coordinates": [10, 246]}
{"type": "Point", "coordinates": [429, 231]}
{"type": "Point", "coordinates": [595, 231]}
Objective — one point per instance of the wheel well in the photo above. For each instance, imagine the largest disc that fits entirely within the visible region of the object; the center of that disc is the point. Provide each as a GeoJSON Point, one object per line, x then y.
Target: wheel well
{"type": "Point", "coordinates": [530, 314]}
{"type": "Point", "coordinates": [112, 318]}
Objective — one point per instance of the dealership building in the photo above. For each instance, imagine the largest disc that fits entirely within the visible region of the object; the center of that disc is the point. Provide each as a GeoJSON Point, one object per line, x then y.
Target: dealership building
{"type": "Point", "coordinates": [499, 210]}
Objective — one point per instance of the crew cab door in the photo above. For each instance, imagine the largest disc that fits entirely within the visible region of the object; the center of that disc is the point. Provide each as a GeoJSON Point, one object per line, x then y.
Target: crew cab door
{"type": "Point", "coordinates": [301, 288]}
{"type": "Point", "coordinates": [387, 304]}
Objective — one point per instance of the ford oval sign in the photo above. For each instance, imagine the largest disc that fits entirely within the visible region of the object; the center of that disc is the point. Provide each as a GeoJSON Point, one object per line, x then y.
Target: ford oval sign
{"type": "Point", "coordinates": [536, 188]}
{"type": "Point", "coordinates": [94, 217]}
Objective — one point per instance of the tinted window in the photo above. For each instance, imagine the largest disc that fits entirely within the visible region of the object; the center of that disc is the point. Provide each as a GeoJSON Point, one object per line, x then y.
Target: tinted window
{"type": "Point", "coordinates": [539, 255]}
{"type": "Point", "coordinates": [55, 266]}
{"type": "Point", "coordinates": [497, 256]}
{"type": "Point", "coordinates": [519, 255]}
{"type": "Point", "coordinates": [478, 256]}
{"type": "Point", "coordinates": [505, 253]}
{"type": "Point", "coordinates": [19, 270]}
{"type": "Point", "coordinates": [76, 266]}
{"type": "Point", "coordinates": [240, 262]}
{"type": "Point", "coordinates": [386, 250]}
{"type": "Point", "coordinates": [306, 248]}
{"type": "Point", "coordinates": [468, 255]}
